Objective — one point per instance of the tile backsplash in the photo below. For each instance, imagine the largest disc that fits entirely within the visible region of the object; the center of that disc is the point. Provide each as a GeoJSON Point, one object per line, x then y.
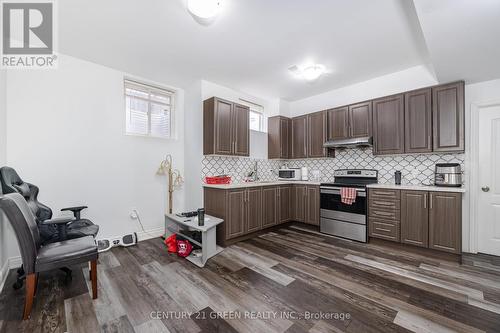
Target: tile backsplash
{"type": "Point", "coordinates": [416, 168]}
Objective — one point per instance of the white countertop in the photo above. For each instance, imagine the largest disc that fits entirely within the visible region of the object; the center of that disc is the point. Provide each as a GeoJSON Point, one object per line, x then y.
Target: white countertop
{"type": "Point", "coordinates": [418, 187]}
{"type": "Point", "coordinates": [261, 183]}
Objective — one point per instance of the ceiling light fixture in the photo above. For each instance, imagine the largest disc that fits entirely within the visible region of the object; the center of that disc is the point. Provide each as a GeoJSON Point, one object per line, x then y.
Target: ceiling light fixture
{"type": "Point", "coordinates": [313, 72]}
{"type": "Point", "coordinates": [308, 72]}
{"type": "Point", "coordinates": [204, 10]}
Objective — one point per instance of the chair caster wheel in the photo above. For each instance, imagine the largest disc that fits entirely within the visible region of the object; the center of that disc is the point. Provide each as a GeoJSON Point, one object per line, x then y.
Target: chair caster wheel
{"type": "Point", "coordinates": [17, 285]}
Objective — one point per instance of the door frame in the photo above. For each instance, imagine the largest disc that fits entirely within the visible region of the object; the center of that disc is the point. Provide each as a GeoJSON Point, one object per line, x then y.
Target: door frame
{"type": "Point", "coordinates": [474, 173]}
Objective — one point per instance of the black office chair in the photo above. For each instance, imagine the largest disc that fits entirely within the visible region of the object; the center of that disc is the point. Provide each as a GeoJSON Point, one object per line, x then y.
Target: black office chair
{"type": "Point", "coordinates": [38, 257]}
{"type": "Point", "coordinates": [49, 232]}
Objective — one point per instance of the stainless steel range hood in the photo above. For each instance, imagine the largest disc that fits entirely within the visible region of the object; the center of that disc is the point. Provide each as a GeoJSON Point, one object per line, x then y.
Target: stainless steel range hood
{"type": "Point", "coordinates": [365, 141]}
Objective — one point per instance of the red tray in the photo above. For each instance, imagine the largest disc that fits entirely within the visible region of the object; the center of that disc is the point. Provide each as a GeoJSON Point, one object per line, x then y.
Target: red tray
{"type": "Point", "coordinates": [218, 180]}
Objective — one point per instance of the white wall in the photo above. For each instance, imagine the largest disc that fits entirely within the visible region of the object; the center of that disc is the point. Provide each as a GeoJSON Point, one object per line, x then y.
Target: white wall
{"type": "Point", "coordinates": [65, 133]}
{"type": "Point", "coordinates": [5, 230]}
{"type": "Point", "coordinates": [3, 114]}
{"type": "Point", "coordinates": [193, 150]}
{"type": "Point", "coordinates": [412, 78]}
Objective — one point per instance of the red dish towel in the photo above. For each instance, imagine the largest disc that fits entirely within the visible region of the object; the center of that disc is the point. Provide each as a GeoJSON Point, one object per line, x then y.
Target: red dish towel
{"type": "Point", "coordinates": [348, 195]}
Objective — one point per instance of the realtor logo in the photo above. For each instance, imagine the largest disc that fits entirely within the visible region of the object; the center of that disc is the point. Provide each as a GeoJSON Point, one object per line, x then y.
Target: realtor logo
{"type": "Point", "coordinates": [28, 34]}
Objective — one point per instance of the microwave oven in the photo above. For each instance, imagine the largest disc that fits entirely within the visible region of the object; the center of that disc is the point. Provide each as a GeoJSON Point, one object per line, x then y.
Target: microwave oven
{"type": "Point", "coordinates": [289, 174]}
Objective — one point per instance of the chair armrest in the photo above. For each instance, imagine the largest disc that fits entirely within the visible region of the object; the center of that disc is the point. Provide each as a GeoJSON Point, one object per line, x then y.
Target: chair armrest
{"type": "Point", "coordinates": [59, 220]}
{"type": "Point", "coordinates": [76, 210]}
{"type": "Point", "coordinates": [62, 225]}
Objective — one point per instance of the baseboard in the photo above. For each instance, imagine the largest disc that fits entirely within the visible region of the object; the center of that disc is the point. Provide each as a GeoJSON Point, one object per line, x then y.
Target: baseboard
{"type": "Point", "coordinates": [4, 270]}
{"type": "Point", "coordinates": [148, 234]}
{"type": "Point", "coordinates": [13, 262]}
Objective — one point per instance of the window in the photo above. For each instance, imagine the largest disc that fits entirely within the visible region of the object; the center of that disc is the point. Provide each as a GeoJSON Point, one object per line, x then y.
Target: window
{"type": "Point", "coordinates": [256, 121]}
{"type": "Point", "coordinates": [149, 110]}
{"type": "Point", "coordinates": [256, 116]}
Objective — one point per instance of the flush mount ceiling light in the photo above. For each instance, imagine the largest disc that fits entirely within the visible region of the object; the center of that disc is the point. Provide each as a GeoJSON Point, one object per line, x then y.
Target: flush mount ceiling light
{"type": "Point", "coordinates": [313, 72]}
{"type": "Point", "coordinates": [204, 11]}
{"type": "Point", "coordinates": [309, 72]}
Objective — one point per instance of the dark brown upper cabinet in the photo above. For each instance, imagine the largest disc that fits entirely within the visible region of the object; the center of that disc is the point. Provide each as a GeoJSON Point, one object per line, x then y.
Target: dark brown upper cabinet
{"type": "Point", "coordinates": [388, 125]}
{"type": "Point", "coordinates": [418, 121]}
{"type": "Point", "coordinates": [445, 221]}
{"type": "Point", "coordinates": [448, 117]}
{"type": "Point", "coordinates": [226, 128]}
{"type": "Point", "coordinates": [299, 137]}
{"type": "Point", "coordinates": [278, 137]}
{"type": "Point", "coordinates": [316, 134]}
{"type": "Point", "coordinates": [415, 218]}
{"type": "Point", "coordinates": [351, 121]}
{"type": "Point", "coordinates": [241, 128]}
{"type": "Point", "coordinates": [338, 123]}
{"type": "Point", "coordinates": [360, 120]}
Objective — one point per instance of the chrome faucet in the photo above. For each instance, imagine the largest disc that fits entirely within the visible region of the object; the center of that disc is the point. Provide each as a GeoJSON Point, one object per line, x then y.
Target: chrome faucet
{"type": "Point", "coordinates": [254, 174]}
{"type": "Point", "coordinates": [256, 171]}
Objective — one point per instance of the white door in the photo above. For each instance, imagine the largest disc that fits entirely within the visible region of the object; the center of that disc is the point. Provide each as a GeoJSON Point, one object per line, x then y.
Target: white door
{"type": "Point", "coordinates": [488, 201]}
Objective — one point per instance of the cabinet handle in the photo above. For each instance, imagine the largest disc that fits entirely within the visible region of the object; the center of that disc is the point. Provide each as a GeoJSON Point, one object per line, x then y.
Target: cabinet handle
{"type": "Point", "coordinates": [382, 213]}
{"type": "Point", "coordinates": [383, 193]}
{"type": "Point", "coordinates": [381, 229]}
{"type": "Point", "coordinates": [425, 201]}
{"type": "Point", "coordinates": [381, 203]}
{"type": "Point", "coordinates": [430, 201]}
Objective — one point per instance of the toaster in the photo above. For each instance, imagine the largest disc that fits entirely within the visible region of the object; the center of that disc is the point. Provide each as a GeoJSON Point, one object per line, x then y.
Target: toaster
{"type": "Point", "coordinates": [448, 174]}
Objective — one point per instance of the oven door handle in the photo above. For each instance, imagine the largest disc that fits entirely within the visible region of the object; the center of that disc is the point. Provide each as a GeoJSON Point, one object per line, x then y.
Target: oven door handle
{"type": "Point", "coordinates": [360, 193]}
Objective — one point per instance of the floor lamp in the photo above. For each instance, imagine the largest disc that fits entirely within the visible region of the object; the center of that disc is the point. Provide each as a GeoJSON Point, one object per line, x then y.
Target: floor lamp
{"type": "Point", "coordinates": [174, 178]}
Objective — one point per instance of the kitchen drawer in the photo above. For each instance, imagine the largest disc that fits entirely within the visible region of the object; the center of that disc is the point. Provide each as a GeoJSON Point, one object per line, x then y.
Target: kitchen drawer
{"type": "Point", "coordinates": [384, 194]}
{"type": "Point", "coordinates": [386, 214]}
{"type": "Point", "coordinates": [383, 229]}
{"type": "Point", "coordinates": [386, 204]}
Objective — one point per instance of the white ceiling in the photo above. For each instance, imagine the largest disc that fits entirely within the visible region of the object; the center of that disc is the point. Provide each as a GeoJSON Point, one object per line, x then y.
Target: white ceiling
{"type": "Point", "coordinates": [463, 38]}
{"type": "Point", "coordinates": [253, 42]}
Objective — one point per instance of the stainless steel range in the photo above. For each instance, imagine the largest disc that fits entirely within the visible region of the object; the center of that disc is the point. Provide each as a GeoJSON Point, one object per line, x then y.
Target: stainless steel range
{"type": "Point", "coordinates": [343, 220]}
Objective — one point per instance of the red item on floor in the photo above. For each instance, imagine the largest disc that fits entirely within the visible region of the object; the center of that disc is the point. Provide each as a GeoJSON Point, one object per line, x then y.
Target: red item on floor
{"type": "Point", "coordinates": [348, 195]}
{"type": "Point", "coordinates": [218, 180]}
{"type": "Point", "coordinates": [184, 248]}
{"type": "Point", "coordinates": [171, 243]}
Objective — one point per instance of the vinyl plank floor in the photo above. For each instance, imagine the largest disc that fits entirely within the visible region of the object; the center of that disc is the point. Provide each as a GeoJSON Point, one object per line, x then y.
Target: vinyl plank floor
{"type": "Point", "coordinates": [267, 284]}
{"type": "Point", "coordinates": [80, 314]}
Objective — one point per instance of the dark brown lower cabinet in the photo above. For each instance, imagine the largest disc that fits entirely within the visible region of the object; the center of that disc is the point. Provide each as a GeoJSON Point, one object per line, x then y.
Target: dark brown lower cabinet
{"type": "Point", "coordinates": [445, 221]}
{"type": "Point", "coordinates": [250, 209]}
{"type": "Point", "coordinates": [312, 205]}
{"type": "Point", "coordinates": [254, 209]}
{"type": "Point", "coordinates": [236, 215]}
{"type": "Point", "coordinates": [269, 206]}
{"type": "Point", "coordinates": [284, 203]}
{"type": "Point", "coordinates": [428, 219]}
{"type": "Point", "coordinates": [414, 218]}
{"type": "Point", "coordinates": [299, 203]}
